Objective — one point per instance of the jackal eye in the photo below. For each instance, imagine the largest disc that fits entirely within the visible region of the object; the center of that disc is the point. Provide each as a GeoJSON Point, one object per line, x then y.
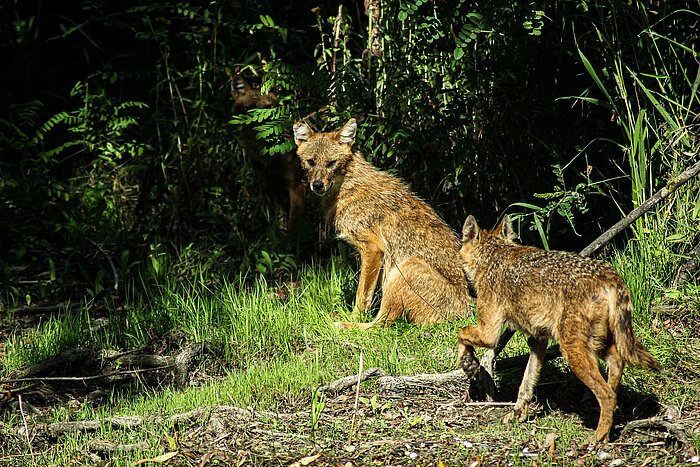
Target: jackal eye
{"type": "Point", "coordinates": [310, 162]}
{"type": "Point", "coordinates": [330, 164]}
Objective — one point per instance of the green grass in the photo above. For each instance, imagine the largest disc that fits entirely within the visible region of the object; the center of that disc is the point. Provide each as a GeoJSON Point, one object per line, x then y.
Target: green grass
{"type": "Point", "coordinates": [270, 354]}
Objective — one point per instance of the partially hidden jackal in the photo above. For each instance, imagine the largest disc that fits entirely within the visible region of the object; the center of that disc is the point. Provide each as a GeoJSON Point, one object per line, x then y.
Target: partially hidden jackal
{"type": "Point", "coordinates": [280, 173]}
{"type": "Point", "coordinates": [580, 302]}
{"type": "Point", "coordinates": [394, 231]}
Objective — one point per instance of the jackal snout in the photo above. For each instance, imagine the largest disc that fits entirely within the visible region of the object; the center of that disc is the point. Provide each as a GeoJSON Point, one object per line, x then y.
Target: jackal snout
{"type": "Point", "coordinates": [324, 156]}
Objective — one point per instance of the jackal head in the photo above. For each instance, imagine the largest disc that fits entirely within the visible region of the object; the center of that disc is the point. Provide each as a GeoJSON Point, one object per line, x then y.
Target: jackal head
{"type": "Point", "coordinates": [324, 156]}
{"type": "Point", "coordinates": [247, 97]}
{"type": "Point", "coordinates": [473, 237]}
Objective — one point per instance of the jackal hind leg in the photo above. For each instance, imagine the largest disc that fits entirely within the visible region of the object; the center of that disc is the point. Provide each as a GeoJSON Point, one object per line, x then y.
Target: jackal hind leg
{"type": "Point", "coordinates": [615, 368]}
{"type": "Point", "coordinates": [405, 292]}
{"type": "Point", "coordinates": [538, 347]}
{"type": "Point", "coordinates": [584, 363]}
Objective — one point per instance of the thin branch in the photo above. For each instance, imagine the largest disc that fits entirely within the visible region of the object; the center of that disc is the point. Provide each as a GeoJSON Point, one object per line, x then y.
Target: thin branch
{"type": "Point", "coordinates": [115, 374]}
{"type": "Point", "coordinates": [111, 264]}
{"type": "Point", "coordinates": [336, 36]}
{"type": "Point", "coordinates": [357, 398]}
{"type": "Point", "coordinates": [99, 445]}
{"type": "Point", "coordinates": [24, 421]}
{"type": "Point", "coordinates": [487, 404]}
{"type": "Point", "coordinates": [47, 308]}
{"type": "Point", "coordinates": [660, 195]}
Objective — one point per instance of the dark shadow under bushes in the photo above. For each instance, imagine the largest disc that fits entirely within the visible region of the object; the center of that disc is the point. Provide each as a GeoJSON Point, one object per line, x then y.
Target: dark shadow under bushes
{"type": "Point", "coordinates": [470, 104]}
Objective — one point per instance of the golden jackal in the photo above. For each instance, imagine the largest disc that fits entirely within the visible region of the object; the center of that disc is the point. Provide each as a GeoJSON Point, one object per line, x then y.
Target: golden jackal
{"type": "Point", "coordinates": [281, 173]}
{"type": "Point", "coordinates": [391, 228]}
{"type": "Point", "coordinates": [580, 302]}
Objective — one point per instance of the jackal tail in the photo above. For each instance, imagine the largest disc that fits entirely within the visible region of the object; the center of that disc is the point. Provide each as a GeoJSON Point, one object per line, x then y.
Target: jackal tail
{"type": "Point", "coordinates": [631, 350]}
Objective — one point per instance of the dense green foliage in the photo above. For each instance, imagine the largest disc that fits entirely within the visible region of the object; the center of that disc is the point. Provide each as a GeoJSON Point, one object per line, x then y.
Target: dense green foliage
{"type": "Point", "coordinates": [118, 143]}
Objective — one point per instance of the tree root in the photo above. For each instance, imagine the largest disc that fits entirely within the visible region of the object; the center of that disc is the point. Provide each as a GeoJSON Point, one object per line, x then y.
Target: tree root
{"type": "Point", "coordinates": [427, 381]}
{"type": "Point", "coordinates": [80, 358]}
{"type": "Point", "coordinates": [420, 382]}
{"type": "Point", "coordinates": [211, 415]}
{"type": "Point", "coordinates": [340, 385]}
{"type": "Point", "coordinates": [66, 361]}
{"type": "Point", "coordinates": [673, 429]}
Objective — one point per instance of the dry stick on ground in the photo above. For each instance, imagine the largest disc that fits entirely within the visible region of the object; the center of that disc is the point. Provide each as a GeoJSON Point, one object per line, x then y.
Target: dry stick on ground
{"type": "Point", "coordinates": [209, 415]}
{"type": "Point", "coordinates": [26, 428]}
{"type": "Point", "coordinates": [47, 308]}
{"type": "Point", "coordinates": [655, 422]}
{"type": "Point", "coordinates": [411, 383]}
{"type": "Point", "coordinates": [180, 365]}
{"type": "Point", "coordinates": [357, 399]}
{"type": "Point", "coordinates": [486, 385]}
{"type": "Point", "coordinates": [108, 447]}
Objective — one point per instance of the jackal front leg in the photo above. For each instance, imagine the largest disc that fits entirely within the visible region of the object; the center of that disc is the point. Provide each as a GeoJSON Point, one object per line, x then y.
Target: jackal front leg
{"type": "Point", "coordinates": [484, 335]}
{"type": "Point", "coordinates": [371, 259]}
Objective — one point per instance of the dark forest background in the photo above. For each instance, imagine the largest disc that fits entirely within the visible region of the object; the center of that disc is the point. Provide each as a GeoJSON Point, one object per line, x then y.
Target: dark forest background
{"type": "Point", "coordinates": [120, 150]}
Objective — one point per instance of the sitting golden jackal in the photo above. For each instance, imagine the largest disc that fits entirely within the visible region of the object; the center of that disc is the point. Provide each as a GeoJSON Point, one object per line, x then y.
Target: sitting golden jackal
{"type": "Point", "coordinates": [392, 229]}
{"type": "Point", "coordinates": [580, 302]}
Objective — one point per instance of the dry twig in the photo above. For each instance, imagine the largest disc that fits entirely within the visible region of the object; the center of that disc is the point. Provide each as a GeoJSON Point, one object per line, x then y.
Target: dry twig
{"type": "Point", "coordinates": [674, 429]}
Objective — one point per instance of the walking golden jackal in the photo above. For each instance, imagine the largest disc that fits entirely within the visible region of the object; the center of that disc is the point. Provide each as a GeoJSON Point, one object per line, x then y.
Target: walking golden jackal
{"type": "Point", "coordinates": [393, 230]}
{"type": "Point", "coordinates": [580, 302]}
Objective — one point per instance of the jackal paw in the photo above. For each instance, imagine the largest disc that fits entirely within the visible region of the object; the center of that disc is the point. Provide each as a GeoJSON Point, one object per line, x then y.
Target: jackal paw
{"type": "Point", "coordinates": [470, 365]}
{"type": "Point", "coordinates": [519, 414]}
{"type": "Point", "coordinates": [593, 441]}
{"type": "Point", "coordinates": [352, 325]}
{"type": "Point", "coordinates": [509, 417]}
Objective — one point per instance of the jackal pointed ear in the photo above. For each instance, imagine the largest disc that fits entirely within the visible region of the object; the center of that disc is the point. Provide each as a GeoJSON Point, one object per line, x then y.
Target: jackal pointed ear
{"type": "Point", "coordinates": [505, 229]}
{"type": "Point", "coordinates": [470, 230]}
{"type": "Point", "coordinates": [239, 86]}
{"type": "Point", "coordinates": [347, 133]}
{"type": "Point", "coordinates": [302, 132]}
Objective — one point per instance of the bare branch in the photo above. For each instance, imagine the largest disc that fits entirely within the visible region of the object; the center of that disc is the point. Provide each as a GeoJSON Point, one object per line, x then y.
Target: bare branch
{"type": "Point", "coordinates": [660, 195]}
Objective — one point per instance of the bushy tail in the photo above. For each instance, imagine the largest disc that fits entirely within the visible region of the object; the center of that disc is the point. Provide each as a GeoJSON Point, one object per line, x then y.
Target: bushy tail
{"type": "Point", "coordinates": [631, 350]}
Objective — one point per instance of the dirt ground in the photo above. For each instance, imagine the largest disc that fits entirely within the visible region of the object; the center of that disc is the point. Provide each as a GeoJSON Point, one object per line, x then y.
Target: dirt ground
{"type": "Point", "coordinates": [430, 428]}
{"type": "Point", "coordinates": [439, 426]}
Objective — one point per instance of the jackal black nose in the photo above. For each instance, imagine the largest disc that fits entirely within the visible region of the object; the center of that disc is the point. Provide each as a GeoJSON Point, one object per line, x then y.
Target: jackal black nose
{"type": "Point", "coordinates": [317, 185]}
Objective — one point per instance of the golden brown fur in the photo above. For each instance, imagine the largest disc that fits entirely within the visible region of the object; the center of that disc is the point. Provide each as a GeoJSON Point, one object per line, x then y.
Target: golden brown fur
{"type": "Point", "coordinates": [392, 229]}
{"type": "Point", "coordinates": [580, 302]}
{"type": "Point", "coordinates": [281, 173]}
